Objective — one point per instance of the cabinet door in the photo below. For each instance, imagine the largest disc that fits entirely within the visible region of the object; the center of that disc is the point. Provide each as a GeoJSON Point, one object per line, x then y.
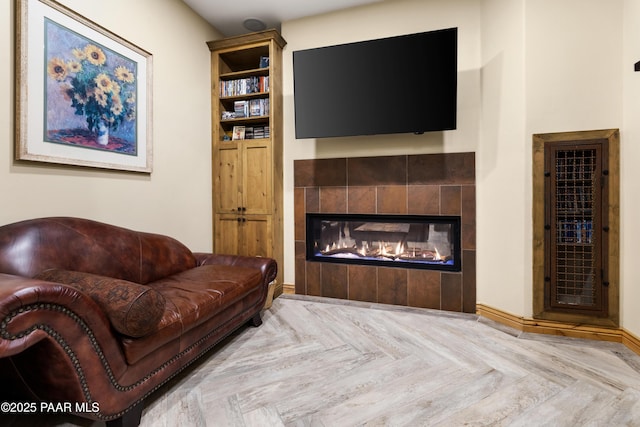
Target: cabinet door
{"type": "Point", "coordinates": [256, 232]}
{"type": "Point", "coordinates": [227, 234]}
{"type": "Point", "coordinates": [576, 207]}
{"type": "Point", "coordinates": [226, 187]}
{"type": "Point", "coordinates": [256, 185]}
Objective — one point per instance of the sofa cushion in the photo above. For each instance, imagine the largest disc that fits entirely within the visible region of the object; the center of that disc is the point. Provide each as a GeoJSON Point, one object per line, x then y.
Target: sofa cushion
{"type": "Point", "coordinates": [133, 309]}
{"type": "Point", "coordinates": [194, 297]}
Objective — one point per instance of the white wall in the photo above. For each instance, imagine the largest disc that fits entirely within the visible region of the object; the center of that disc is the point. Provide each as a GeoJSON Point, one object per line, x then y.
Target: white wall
{"type": "Point", "coordinates": [176, 198]}
{"type": "Point", "coordinates": [573, 65]}
{"type": "Point", "coordinates": [503, 215]}
{"type": "Point", "coordinates": [630, 173]}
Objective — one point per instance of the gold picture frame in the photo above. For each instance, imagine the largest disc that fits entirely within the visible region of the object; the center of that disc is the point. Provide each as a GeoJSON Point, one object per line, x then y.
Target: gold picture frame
{"type": "Point", "coordinates": [83, 94]}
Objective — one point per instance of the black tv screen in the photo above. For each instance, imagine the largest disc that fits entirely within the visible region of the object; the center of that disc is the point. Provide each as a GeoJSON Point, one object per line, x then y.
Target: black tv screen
{"type": "Point", "coordinates": [402, 84]}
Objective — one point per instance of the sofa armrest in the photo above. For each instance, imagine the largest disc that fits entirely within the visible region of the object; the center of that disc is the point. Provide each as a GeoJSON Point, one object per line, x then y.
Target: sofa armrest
{"type": "Point", "coordinates": [267, 266]}
{"type": "Point", "coordinates": [57, 341]}
{"type": "Point", "coordinates": [32, 310]}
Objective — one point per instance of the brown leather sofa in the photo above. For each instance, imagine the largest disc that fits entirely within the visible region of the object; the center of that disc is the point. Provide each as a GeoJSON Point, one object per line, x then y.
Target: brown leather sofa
{"type": "Point", "coordinates": [96, 317]}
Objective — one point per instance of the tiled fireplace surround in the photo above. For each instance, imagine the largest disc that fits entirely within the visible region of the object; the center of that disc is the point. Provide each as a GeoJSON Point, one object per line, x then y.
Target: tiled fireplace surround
{"type": "Point", "coordinates": [425, 184]}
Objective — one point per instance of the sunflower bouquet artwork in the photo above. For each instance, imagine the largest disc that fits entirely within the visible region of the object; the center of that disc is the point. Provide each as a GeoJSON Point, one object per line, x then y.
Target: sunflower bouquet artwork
{"type": "Point", "coordinates": [100, 90]}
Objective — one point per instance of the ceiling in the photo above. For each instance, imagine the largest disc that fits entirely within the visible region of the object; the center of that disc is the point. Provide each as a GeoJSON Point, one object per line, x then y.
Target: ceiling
{"type": "Point", "coordinates": [228, 16]}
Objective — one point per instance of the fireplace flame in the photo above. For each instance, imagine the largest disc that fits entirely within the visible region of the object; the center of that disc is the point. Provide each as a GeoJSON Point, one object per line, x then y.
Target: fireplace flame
{"type": "Point", "coordinates": [347, 247]}
{"type": "Point", "coordinates": [363, 249]}
{"type": "Point", "coordinates": [383, 248]}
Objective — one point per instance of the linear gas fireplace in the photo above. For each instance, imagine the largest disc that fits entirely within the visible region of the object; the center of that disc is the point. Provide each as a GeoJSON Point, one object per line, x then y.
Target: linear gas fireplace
{"type": "Point", "coordinates": [408, 241]}
{"type": "Point", "coordinates": [415, 194]}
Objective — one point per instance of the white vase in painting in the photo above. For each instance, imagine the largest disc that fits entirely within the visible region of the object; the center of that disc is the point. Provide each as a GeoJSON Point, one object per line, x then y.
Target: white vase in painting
{"type": "Point", "coordinates": [103, 133]}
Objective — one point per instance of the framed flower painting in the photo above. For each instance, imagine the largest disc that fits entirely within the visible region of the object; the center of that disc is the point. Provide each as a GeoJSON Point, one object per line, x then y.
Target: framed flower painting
{"type": "Point", "coordinates": [83, 94]}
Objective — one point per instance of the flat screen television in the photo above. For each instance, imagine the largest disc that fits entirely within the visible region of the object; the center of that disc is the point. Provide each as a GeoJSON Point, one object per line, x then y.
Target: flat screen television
{"type": "Point", "coordinates": [402, 84]}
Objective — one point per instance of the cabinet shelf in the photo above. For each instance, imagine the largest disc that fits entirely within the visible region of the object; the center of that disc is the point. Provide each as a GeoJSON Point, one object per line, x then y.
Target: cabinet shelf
{"type": "Point", "coordinates": [243, 120]}
{"type": "Point", "coordinates": [230, 142]}
{"type": "Point", "coordinates": [231, 99]}
{"type": "Point", "coordinates": [245, 73]}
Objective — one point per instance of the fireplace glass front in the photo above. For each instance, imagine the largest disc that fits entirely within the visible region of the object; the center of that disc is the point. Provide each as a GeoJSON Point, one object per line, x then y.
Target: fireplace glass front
{"type": "Point", "coordinates": [409, 241]}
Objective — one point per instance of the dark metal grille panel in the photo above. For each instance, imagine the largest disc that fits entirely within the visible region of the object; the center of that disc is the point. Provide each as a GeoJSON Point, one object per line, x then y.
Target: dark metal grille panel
{"type": "Point", "coordinates": [575, 262]}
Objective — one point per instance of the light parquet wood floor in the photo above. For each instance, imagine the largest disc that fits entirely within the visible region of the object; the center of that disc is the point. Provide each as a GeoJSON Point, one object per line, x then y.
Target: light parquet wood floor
{"type": "Point", "coordinates": [322, 362]}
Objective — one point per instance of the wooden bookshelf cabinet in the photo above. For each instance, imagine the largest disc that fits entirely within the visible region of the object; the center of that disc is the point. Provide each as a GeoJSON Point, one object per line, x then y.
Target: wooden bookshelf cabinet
{"type": "Point", "coordinates": [246, 99]}
{"type": "Point", "coordinates": [576, 205]}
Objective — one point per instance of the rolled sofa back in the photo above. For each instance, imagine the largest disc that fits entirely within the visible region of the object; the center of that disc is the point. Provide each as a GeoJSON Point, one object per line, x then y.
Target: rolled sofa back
{"type": "Point", "coordinates": [32, 246]}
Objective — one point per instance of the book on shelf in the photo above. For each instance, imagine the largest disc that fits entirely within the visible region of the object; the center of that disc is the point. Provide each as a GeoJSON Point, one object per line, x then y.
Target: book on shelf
{"type": "Point", "coordinates": [238, 132]}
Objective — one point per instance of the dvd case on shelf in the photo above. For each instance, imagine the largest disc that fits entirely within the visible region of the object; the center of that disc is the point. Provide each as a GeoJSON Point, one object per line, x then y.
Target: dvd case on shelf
{"type": "Point", "coordinates": [246, 86]}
